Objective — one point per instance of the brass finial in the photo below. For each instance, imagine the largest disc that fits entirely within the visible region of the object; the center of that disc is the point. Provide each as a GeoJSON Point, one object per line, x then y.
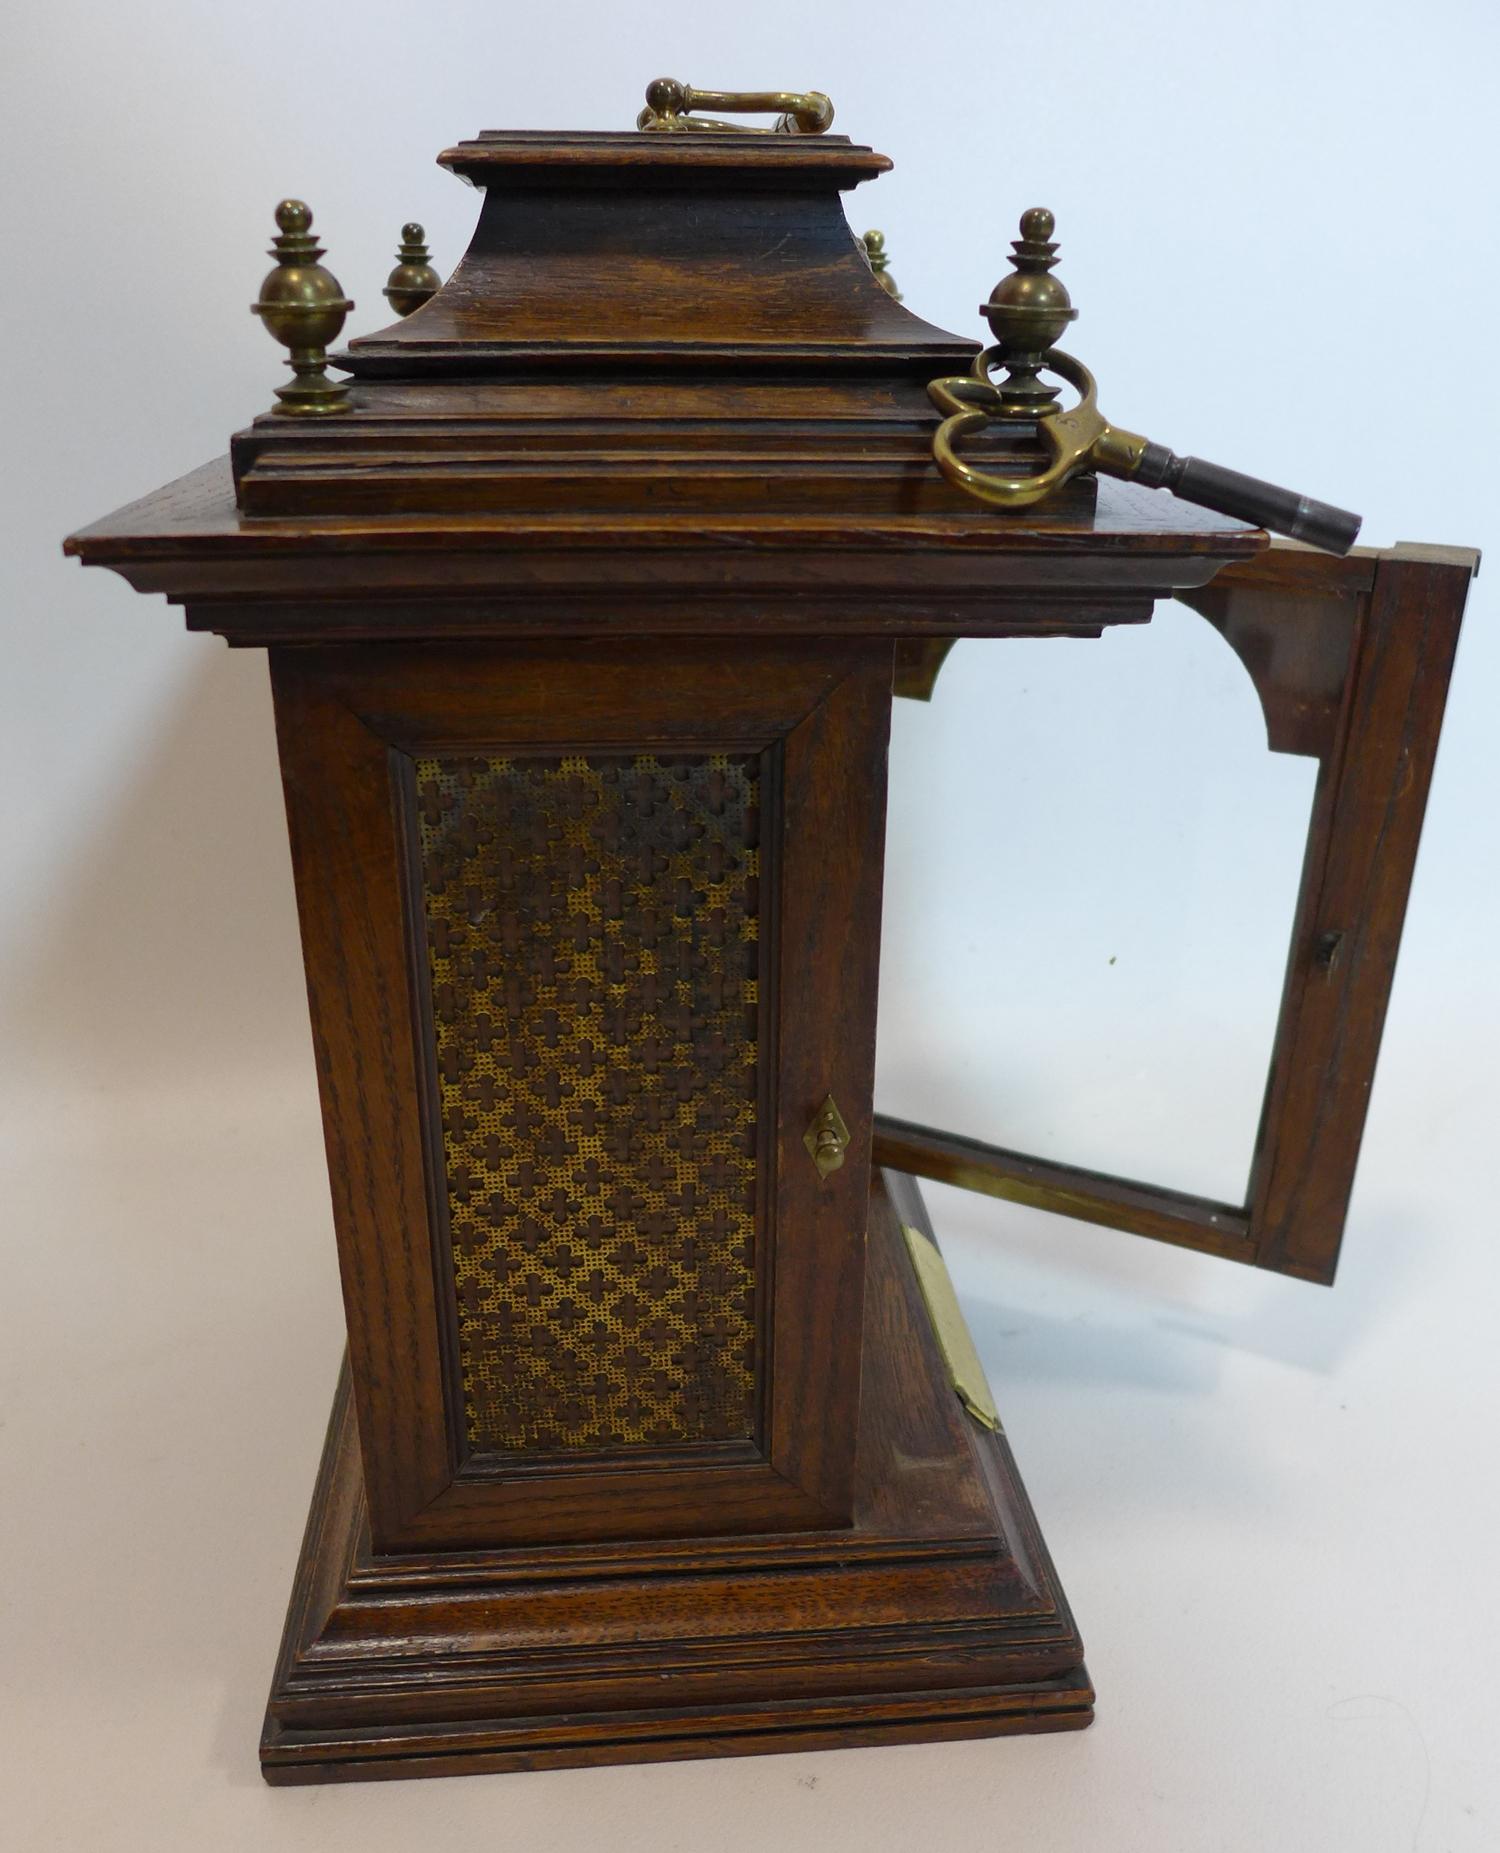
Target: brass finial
{"type": "Point", "coordinates": [303, 307]}
{"type": "Point", "coordinates": [1028, 311]}
{"type": "Point", "coordinates": [413, 281]}
{"type": "Point", "coordinates": [874, 243]}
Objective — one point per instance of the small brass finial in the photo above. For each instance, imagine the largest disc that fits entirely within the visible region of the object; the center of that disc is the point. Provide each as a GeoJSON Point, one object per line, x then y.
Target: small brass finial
{"type": "Point", "coordinates": [413, 281]}
{"type": "Point", "coordinates": [1028, 311]}
{"type": "Point", "coordinates": [303, 307]}
{"type": "Point", "coordinates": [874, 243]}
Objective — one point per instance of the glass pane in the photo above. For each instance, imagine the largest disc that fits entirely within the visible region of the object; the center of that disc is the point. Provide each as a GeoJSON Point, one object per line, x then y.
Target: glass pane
{"type": "Point", "coordinates": [1092, 866]}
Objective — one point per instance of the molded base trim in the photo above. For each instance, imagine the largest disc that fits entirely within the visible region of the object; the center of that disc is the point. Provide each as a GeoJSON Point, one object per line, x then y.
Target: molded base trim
{"type": "Point", "coordinates": [937, 1617]}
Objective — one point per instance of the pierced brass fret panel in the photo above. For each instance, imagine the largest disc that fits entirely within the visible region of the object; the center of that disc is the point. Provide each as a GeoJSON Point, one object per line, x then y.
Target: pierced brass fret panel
{"type": "Point", "coordinates": [593, 928]}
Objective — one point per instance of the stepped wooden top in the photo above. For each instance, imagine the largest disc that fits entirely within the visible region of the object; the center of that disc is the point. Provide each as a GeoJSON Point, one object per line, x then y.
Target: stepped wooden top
{"type": "Point", "coordinates": [663, 362]}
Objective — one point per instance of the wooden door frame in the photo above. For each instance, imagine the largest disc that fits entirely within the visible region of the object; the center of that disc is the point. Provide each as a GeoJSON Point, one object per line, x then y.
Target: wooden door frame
{"type": "Point", "coordinates": [1351, 660]}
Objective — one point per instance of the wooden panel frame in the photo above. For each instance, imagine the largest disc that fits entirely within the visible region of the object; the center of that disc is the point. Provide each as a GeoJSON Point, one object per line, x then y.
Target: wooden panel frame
{"type": "Point", "coordinates": [348, 721]}
{"type": "Point", "coordinates": [1351, 660]}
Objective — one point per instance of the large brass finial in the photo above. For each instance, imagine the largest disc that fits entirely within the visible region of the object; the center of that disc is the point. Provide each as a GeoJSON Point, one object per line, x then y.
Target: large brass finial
{"type": "Point", "coordinates": [413, 281]}
{"type": "Point", "coordinates": [1028, 311]}
{"type": "Point", "coordinates": [880, 263]}
{"type": "Point", "coordinates": [303, 307]}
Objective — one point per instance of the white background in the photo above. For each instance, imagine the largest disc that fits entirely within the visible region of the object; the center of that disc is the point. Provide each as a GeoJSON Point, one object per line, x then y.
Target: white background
{"type": "Point", "coordinates": [1274, 1508]}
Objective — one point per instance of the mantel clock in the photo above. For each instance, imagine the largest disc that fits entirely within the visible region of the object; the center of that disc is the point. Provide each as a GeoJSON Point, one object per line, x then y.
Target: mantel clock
{"type": "Point", "coordinates": [586, 589]}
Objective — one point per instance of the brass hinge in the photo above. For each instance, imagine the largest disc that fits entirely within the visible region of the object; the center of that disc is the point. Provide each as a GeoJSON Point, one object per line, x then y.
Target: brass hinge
{"type": "Point", "coordinates": [965, 1371]}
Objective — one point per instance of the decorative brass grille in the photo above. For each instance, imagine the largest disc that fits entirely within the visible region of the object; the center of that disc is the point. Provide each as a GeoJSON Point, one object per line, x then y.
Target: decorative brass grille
{"type": "Point", "coordinates": [593, 926]}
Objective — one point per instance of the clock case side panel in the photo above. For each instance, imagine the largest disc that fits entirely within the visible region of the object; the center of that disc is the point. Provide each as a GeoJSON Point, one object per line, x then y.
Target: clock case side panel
{"type": "Point", "coordinates": [350, 720]}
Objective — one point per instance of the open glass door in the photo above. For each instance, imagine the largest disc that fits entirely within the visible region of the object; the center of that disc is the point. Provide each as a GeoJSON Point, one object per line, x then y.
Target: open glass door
{"type": "Point", "coordinates": [1351, 660]}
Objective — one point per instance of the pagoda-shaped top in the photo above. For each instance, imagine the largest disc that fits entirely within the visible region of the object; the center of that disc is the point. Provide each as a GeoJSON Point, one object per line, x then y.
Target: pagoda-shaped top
{"type": "Point", "coordinates": [664, 387]}
{"type": "Point", "coordinates": [709, 249]}
{"type": "Point", "coordinates": [641, 321]}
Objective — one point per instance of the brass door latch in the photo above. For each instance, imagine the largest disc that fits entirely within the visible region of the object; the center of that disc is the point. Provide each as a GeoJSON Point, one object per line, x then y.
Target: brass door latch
{"type": "Point", "coordinates": [827, 1137]}
{"type": "Point", "coordinates": [797, 112]}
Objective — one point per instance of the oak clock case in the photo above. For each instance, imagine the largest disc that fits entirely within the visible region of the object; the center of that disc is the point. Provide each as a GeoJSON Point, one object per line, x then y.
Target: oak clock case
{"type": "Point", "coordinates": [585, 596]}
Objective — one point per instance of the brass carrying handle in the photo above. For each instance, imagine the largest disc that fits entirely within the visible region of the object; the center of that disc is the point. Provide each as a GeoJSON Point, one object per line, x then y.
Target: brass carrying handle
{"type": "Point", "coordinates": [668, 104]}
{"type": "Point", "coordinates": [1082, 438]}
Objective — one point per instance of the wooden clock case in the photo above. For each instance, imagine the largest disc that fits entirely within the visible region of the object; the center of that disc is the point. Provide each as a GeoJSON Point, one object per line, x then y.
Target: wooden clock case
{"type": "Point", "coordinates": [583, 627]}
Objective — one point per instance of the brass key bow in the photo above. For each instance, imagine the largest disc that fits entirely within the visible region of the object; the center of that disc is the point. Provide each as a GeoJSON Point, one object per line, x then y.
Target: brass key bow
{"type": "Point", "coordinates": [1079, 438]}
